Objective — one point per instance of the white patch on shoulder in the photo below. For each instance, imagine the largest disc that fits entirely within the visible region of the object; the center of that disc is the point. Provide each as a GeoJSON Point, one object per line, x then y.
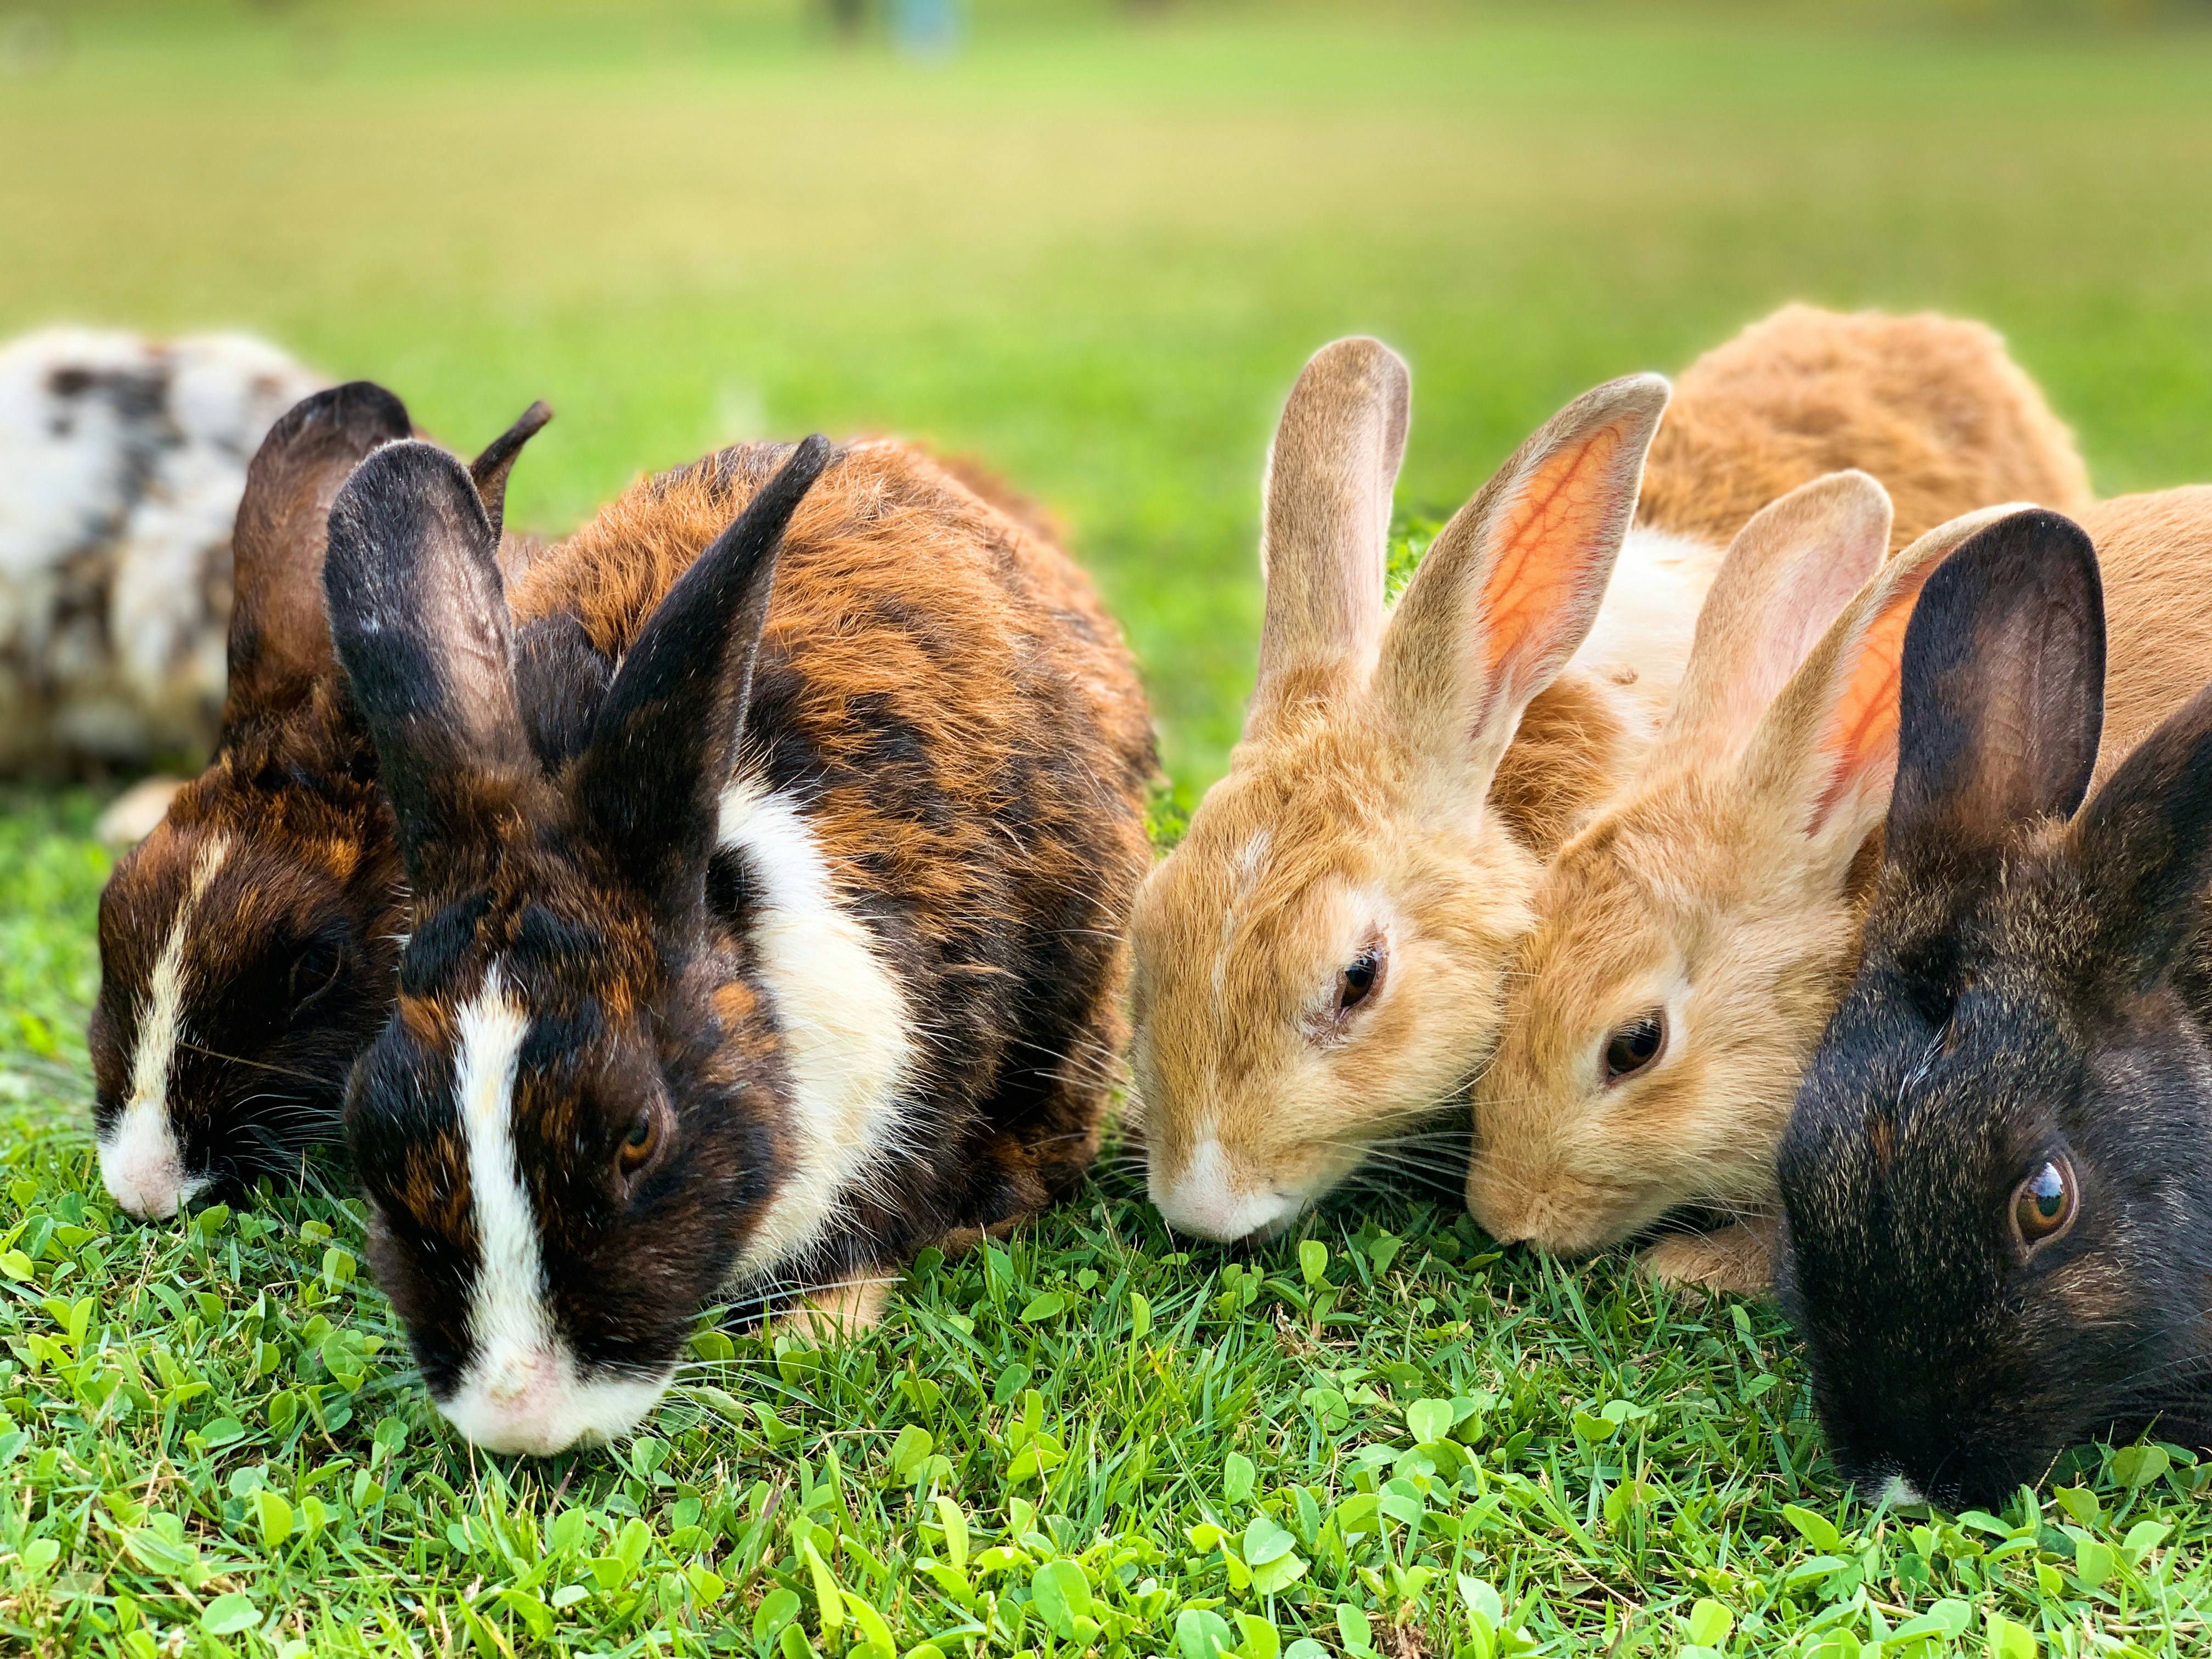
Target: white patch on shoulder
{"type": "Point", "coordinates": [522, 1391]}
{"type": "Point", "coordinates": [140, 1160]}
{"type": "Point", "coordinates": [848, 1039]}
{"type": "Point", "coordinates": [1640, 640]}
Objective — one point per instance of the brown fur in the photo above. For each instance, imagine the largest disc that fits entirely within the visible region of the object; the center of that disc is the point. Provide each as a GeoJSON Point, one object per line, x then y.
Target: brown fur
{"type": "Point", "coordinates": [891, 534]}
{"type": "Point", "coordinates": [1932, 406]}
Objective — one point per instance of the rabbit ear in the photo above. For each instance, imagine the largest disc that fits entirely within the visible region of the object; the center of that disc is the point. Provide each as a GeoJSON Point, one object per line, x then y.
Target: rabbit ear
{"type": "Point", "coordinates": [1787, 575]}
{"type": "Point", "coordinates": [2001, 691]}
{"type": "Point", "coordinates": [280, 638]}
{"type": "Point", "coordinates": [666, 737]}
{"type": "Point", "coordinates": [1326, 522]}
{"type": "Point", "coordinates": [420, 619]}
{"type": "Point", "coordinates": [1512, 585]}
{"type": "Point", "coordinates": [2145, 842]}
{"type": "Point", "coordinates": [1826, 749]}
{"type": "Point", "coordinates": [490, 471]}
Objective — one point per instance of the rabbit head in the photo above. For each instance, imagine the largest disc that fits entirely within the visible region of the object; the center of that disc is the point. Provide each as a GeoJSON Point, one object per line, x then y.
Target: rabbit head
{"type": "Point", "coordinates": [248, 944]}
{"type": "Point", "coordinates": [1996, 1223]}
{"type": "Point", "coordinates": [1691, 940]}
{"type": "Point", "coordinates": [1320, 961]}
{"type": "Point", "coordinates": [568, 1126]}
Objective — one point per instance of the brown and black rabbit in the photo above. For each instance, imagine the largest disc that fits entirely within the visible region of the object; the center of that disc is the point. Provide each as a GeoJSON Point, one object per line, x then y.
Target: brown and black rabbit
{"type": "Point", "coordinates": [809, 957]}
{"type": "Point", "coordinates": [1998, 1237]}
{"type": "Point", "coordinates": [248, 945]}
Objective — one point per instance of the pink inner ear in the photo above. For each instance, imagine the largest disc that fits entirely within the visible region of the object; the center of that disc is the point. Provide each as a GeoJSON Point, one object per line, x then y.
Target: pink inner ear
{"type": "Point", "coordinates": [1861, 743]}
{"type": "Point", "coordinates": [1541, 591]}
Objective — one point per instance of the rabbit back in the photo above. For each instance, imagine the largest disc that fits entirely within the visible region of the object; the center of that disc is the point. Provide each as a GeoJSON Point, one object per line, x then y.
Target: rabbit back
{"type": "Point", "coordinates": [933, 834]}
{"type": "Point", "coordinates": [121, 462]}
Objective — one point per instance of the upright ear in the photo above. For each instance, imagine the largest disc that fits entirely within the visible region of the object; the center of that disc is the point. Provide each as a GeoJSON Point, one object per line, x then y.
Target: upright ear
{"type": "Point", "coordinates": [2145, 842]}
{"type": "Point", "coordinates": [1787, 575]}
{"type": "Point", "coordinates": [2001, 698]}
{"type": "Point", "coordinates": [280, 639]}
{"type": "Point", "coordinates": [1326, 522]}
{"type": "Point", "coordinates": [1825, 752]}
{"type": "Point", "coordinates": [1511, 587]}
{"type": "Point", "coordinates": [490, 471]}
{"type": "Point", "coordinates": [665, 738]}
{"type": "Point", "coordinates": [421, 624]}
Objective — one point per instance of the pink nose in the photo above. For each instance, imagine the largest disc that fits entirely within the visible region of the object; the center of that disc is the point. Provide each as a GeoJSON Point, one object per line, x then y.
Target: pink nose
{"type": "Point", "coordinates": [514, 1405]}
{"type": "Point", "coordinates": [149, 1188]}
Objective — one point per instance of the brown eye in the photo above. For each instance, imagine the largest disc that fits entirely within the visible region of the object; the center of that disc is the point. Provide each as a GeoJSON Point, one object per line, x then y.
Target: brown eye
{"type": "Point", "coordinates": [1632, 1047]}
{"type": "Point", "coordinates": [639, 1146]}
{"type": "Point", "coordinates": [1358, 980]}
{"type": "Point", "coordinates": [2044, 1206]}
{"type": "Point", "coordinates": [314, 971]}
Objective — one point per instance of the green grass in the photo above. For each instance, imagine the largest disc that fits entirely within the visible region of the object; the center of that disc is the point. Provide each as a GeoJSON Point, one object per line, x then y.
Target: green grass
{"type": "Point", "coordinates": [1092, 255]}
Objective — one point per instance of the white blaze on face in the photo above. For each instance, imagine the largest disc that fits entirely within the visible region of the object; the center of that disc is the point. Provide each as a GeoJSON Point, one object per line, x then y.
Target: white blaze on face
{"type": "Point", "coordinates": [1209, 1200]}
{"type": "Point", "coordinates": [522, 1390]}
{"type": "Point", "coordinates": [847, 1042]}
{"type": "Point", "coordinates": [141, 1159]}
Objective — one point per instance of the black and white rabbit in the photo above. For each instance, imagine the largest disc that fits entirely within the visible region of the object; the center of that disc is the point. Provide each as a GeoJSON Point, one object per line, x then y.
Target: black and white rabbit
{"type": "Point", "coordinates": [248, 945]}
{"type": "Point", "coordinates": [809, 957]}
{"type": "Point", "coordinates": [1997, 1176]}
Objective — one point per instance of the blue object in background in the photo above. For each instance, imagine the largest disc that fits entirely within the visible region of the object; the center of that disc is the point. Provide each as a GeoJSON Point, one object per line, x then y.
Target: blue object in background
{"type": "Point", "coordinates": [926, 29]}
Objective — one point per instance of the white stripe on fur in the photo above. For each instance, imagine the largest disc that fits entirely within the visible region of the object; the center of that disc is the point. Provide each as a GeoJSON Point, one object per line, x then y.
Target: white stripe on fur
{"type": "Point", "coordinates": [522, 1390]}
{"type": "Point", "coordinates": [140, 1160]}
{"type": "Point", "coordinates": [848, 1039]}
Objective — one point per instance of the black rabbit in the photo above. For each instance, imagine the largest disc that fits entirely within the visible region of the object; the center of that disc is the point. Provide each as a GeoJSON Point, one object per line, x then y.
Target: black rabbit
{"type": "Point", "coordinates": [1997, 1175]}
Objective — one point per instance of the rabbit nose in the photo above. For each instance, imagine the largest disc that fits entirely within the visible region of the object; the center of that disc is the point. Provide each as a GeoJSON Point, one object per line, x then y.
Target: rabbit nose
{"type": "Point", "coordinates": [141, 1167]}
{"type": "Point", "coordinates": [1206, 1201]}
{"type": "Point", "coordinates": [520, 1373]}
{"type": "Point", "coordinates": [1498, 1213]}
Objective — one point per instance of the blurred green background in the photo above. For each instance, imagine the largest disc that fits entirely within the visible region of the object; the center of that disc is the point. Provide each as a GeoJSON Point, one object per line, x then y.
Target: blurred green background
{"type": "Point", "coordinates": [1091, 243]}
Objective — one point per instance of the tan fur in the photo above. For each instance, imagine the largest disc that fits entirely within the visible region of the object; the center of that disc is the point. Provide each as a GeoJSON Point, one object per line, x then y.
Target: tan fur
{"type": "Point", "coordinates": [1239, 938]}
{"type": "Point", "coordinates": [1353, 817]}
{"type": "Point", "coordinates": [1700, 890]}
{"type": "Point", "coordinates": [2155, 553]}
{"type": "Point", "coordinates": [1931, 406]}
{"type": "Point", "coordinates": [847, 1310]}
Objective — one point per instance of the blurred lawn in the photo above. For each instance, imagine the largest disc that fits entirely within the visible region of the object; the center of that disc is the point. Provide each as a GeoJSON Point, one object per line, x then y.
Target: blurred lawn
{"type": "Point", "coordinates": [1094, 254]}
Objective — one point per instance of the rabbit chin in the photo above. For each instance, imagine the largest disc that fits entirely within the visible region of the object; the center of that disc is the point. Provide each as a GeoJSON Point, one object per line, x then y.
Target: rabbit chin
{"type": "Point", "coordinates": [532, 1400]}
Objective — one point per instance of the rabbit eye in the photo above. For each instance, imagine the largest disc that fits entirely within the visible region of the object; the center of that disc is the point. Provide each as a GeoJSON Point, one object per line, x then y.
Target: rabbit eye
{"type": "Point", "coordinates": [1359, 980]}
{"type": "Point", "coordinates": [2044, 1205]}
{"type": "Point", "coordinates": [1632, 1047]}
{"type": "Point", "coordinates": [639, 1146]}
{"type": "Point", "coordinates": [314, 971]}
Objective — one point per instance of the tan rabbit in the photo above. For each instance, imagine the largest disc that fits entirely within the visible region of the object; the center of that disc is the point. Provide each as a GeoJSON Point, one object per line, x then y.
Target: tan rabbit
{"type": "Point", "coordinates": [1318, 959]}
{"type": "Point", "coordinates": [1322, 962]}
{"type": "Point", "coordinates": [1693, 937]}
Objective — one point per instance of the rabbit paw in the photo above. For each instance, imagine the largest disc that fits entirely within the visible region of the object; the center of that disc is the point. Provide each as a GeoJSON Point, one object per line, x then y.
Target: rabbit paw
{"type": "Point", "coordinates": [1735, 1259]}
{"type": "Point", "coordinates": [844, 1311]}
{"type": "Point", "coordinates": [131, 816]}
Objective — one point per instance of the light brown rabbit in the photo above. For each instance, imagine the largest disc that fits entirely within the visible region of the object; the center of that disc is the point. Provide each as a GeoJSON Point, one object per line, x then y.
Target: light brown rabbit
{"type": "Point", "coordinates": [1319, 958]}
{"type": "Point", "coordinates": [1321, 964]}
{"type": "Point", "coordinates": [1693, 938]}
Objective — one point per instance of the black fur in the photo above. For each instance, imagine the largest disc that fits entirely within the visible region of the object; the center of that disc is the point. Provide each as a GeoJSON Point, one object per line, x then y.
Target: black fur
{"type": "Point", "coordinates": [2024, 996]}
